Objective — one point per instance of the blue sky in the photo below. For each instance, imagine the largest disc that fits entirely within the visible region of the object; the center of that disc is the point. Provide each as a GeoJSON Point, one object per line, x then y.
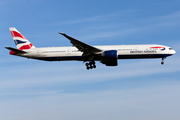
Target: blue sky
{"type": "Point", "coordinates": [134, 90]}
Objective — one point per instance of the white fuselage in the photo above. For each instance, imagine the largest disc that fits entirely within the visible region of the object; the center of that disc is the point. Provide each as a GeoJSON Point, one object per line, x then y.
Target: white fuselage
{"type": "Point", "coordinates": [123, 52]}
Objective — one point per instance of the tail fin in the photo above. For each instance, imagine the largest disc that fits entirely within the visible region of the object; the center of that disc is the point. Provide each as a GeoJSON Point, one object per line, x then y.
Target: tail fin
{"type": "Point", "coordinates": [20, 41]}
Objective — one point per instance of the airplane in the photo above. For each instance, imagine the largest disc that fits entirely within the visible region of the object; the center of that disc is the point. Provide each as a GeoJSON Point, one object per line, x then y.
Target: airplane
{"type": "Point", "coordinates": [81, 51]}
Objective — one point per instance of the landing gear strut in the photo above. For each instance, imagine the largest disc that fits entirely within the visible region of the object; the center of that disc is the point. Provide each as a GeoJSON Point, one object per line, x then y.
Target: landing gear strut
{"type": "Point", "coordinates": [163, 60]}
{"type": "Point", "coordinates": [90, 65]}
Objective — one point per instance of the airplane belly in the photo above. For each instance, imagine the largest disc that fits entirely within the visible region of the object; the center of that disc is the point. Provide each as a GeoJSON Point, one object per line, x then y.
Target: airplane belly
{"type": "Point", "coordinates": [142, 56]}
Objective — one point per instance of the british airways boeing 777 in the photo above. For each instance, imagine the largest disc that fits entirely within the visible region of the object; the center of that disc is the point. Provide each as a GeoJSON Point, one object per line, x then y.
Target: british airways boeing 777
{"type": "Point", "coordinates": [80, 51]}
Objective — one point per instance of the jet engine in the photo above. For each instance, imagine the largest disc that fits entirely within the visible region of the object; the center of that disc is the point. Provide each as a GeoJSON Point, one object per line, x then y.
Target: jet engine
{"type": "Point", "coordinates": [110, 58]}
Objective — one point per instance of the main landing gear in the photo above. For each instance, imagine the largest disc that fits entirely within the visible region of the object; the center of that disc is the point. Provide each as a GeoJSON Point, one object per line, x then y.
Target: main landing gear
{"type": "Point", "coordinates": [90, 65]}
{"type": "Point", "coordinates": [163, 60]}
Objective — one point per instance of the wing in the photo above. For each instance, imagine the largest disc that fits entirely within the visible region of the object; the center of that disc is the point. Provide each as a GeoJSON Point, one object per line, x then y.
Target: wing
{"type": "Point", "coordinates": [15, 50]}
{"type": "Point", "coordinates": [83, 47]}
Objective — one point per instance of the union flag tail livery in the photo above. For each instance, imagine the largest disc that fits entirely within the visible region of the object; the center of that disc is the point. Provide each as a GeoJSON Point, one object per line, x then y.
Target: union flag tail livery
{"type": "Point", "coordinates": [81, 51]}
{"type": "Point", "coordinates": [21, 42]}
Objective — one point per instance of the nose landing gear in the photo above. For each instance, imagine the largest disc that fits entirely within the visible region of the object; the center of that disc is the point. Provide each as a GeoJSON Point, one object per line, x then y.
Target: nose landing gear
{"type": "Point", "coordinates": [163, 60]}
{"type": "Point", "coordinates": [90, 65]}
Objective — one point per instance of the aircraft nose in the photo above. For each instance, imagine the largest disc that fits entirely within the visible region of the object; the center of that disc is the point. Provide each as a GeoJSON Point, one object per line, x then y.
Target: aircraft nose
{"type": "Point", "coordinates": [173, 51]}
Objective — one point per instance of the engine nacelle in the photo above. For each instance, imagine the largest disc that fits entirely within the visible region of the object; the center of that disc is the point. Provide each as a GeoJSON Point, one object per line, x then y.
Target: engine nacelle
{"type": "Point", "coordinates": [110, 54]}
{"type": "Point", "coordinates": [110, 58]}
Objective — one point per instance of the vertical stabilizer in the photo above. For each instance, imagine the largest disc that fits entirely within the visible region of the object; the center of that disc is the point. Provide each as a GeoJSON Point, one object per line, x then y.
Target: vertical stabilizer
{"type": "Point", "coordinates": [21, 42]}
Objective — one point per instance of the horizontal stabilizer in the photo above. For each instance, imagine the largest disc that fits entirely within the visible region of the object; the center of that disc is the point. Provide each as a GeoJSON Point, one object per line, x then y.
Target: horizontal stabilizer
{"type": "Point", "coordinates": [15, 50]}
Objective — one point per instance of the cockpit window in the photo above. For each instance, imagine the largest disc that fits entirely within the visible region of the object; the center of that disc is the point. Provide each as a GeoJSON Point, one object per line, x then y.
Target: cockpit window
{"type": "Point", "coordinates": [170, 48]}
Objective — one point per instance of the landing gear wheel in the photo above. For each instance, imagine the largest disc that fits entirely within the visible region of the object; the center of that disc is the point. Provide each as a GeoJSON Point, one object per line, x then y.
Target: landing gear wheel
{"type": "Point", "coordinates": [94, 66]}
{"type": "Point", "coordinates": [87, 68]}
{"type": "Point", "coordinates": [90, 65]}
{"type": "Point", "coordinates": [87, 64]}
{"type": "Point", "coordinates": [162, 63]}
